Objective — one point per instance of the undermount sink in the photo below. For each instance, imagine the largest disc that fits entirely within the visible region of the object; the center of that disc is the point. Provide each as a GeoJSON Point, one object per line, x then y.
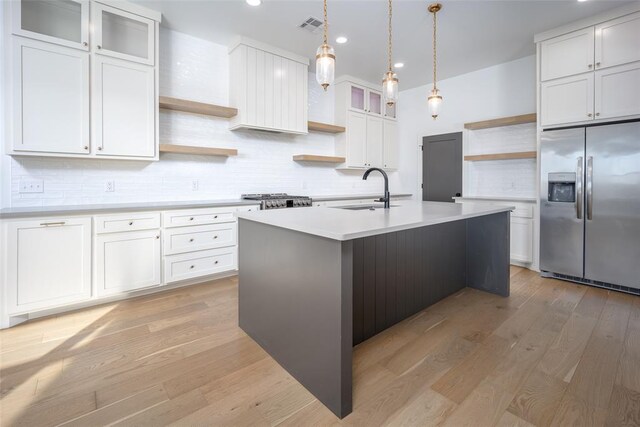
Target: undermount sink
{"type": "Point", "coordinates": [363, 207]}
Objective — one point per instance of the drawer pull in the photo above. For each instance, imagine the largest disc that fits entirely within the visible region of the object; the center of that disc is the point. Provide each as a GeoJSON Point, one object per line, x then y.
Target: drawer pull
{"type": "Point", "coordinates": [215, 216]}
{"type": "Point", "coordinates": [130, 222]}
{"type": "Point", "coordinates": [49, 224]}
{"type": "Point", "coordinates": [191, 240]}
{"type": "Point", "coordinates": [216, 262]}
{"type": "Point", "coordinates": [191, 219]}
{"type": "Point", "coordinates": [215, 237]}
{"type": "Point", "coordinates": [193, 266]}
{"type": "Point", "coordinates": [158, 236]}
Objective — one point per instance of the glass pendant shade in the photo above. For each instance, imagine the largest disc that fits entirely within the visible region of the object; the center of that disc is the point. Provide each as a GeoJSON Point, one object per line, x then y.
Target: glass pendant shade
{"type": "Point", "coordinates": [325, 65]}
{"type": "Point", "coordinates": [390, 88]}
{"type": "Point", "coordinates": [435, 103]}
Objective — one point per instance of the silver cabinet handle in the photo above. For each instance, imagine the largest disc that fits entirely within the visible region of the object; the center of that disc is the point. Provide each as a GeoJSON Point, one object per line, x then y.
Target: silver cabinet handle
{"type": "Point", "coordinates": [589, 114]}
{"type": "Point", "coordinates": [590, 66]}
{"type": "Point", "coordinates": [85, 44]}
{"type": "Point", "coordinates": [50, 224]}
{"type": "Point", "coordinates": [597, 64]}
{"type": "Point", "coordinates": [99, 47]}
{"type": "Point", "coordinates": [190, 240]}
{"type": "Point", "coordinates": [579, 195]}
{"type": "Point", "coordinates": [99, 148]}
{"type": "Point", "coordinates": [86, 147]}
{"type": "Point", "coordinates": [597, 114]}
{"type": "Point", "coordinates": [589, 188]}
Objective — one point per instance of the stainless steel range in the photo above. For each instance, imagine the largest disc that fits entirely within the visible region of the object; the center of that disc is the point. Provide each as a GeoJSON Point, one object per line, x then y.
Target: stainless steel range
{"type": "Point", "coordinates": [279, 200]}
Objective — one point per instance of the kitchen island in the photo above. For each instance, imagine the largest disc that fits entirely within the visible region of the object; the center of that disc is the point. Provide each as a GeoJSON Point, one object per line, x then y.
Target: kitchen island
{"type": "Point", "coordinates": [314, 282]}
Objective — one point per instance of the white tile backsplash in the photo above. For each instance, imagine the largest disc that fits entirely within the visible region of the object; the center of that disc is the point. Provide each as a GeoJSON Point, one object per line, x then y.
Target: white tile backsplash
{"type": "Point", "coordinates": [196, 69]}
{"type": "Point", "coordinates": [515, 178]}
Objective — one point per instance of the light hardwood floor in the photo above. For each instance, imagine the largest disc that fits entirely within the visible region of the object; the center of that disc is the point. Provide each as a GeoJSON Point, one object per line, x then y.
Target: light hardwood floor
{"type": "Point", "coordinates": [553, 353]}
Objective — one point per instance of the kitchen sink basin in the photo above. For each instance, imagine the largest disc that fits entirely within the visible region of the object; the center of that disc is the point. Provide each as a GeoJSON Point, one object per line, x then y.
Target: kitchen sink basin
{"type": "Point", "coordinates": [363, 207]}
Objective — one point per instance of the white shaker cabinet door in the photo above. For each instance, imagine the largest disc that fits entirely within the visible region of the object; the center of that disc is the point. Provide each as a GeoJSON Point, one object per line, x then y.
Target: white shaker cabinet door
{"type": "Point", "coordinates": [567, 100]}
{"type": "Point", "coordinates": [618, 41]}
{"type": "Point", "coordinates": [124, 103]}
{"type": "Point", "coordinates": [567, 55]}
{"type": "Point", "coordinates": [618, 91]}
{"type": "Point", "coordinates": [50, 98]}
{"type": "Point", "coordinates": [374, 141]}
{"type": "Point", "coordinates": [127, 261]}
{"type": "Point", "coordinates": [48, 263]}
{"type": "Point", "coordinates": [390, 138]}
{"type": "Point", "coordinates": [356, 139]}
{"type": "Point", "coordinates": [521, 239]}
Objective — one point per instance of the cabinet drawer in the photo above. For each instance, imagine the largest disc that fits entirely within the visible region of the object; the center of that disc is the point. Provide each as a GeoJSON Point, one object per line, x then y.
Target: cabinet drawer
{"type": "Point", "coordinates": [522, 211]}
{"type": "Point", "coordinates": [201, 263]}
{"type": "Point", "coordinates": [198, 216]}
{"type": "Point", "coordinates": [189, 239]}
{"type": "Point", "coordinates": [126, 222]}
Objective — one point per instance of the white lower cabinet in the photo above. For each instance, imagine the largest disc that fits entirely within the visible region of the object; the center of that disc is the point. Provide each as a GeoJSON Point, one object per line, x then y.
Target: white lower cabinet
{"type": "Point", "coordinates": [201, 263]}
{"type": "Point", "coordinates": [521, 239]}
{"type": "Point", "coordinates": [48, 263]}
{"type": "Point", "coordinates": [127, 261]}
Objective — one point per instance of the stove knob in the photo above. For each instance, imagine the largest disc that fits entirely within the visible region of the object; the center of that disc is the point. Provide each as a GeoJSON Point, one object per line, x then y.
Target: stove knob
{"type": "Point", "coordinates": [282, 203]}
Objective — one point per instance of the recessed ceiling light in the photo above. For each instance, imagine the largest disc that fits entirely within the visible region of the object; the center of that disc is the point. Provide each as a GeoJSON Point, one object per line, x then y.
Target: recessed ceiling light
{"type": "Point", "coordinates": [254, 2]}
{"type": "Point", "coordinates": [581, 1]}
{"type": "Point", "coordinates": [398, 65]}
{"type": "Point", "coordinates": [341, 40]}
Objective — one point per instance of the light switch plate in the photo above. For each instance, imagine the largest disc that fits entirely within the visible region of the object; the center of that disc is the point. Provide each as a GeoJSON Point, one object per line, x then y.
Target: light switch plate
{"type": "Point", "coordinates": [32, 186]}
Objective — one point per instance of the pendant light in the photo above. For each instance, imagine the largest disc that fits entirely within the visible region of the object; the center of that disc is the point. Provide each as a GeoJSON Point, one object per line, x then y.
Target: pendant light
{"type": "Point", "coordinates": [325, 58]}
{"type": "Point", "coordinates": [435, 99]}
{"type": "Point", "coordinates": [390, 81]}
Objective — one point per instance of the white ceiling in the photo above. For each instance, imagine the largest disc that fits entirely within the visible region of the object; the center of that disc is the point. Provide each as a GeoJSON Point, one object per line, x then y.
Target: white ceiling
{"type": "Point", "coordinates": [471, 34]}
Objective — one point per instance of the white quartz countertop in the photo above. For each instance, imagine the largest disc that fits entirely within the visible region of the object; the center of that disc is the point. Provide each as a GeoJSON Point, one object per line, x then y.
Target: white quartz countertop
{"type": "Point", "coordinates": [498, 199]}
{"type": "Point", "coordinates": [344, 224]}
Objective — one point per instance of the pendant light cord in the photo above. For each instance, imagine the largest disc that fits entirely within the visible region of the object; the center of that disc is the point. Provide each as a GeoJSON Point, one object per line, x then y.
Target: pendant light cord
{"type": "Point", "coordinates": [390, 32]}
{"type": "Point", "coordinates": [326, 23]}
{"type": "Point", "coordinates": [435, 76]}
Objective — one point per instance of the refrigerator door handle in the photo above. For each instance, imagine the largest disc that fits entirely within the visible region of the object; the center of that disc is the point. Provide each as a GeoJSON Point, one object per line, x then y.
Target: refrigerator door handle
{"type": "Point", "coordinates": [579, 195]}
{"type": "Point", "coordinates": [589, 188]}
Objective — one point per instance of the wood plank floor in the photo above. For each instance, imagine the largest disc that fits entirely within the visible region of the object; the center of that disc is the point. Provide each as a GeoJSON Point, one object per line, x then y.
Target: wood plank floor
{"type": "Point", "coordinates": [554, 353]}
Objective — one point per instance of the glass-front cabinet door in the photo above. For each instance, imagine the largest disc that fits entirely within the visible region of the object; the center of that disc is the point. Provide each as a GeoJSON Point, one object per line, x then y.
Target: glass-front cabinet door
{"type": "Point", "coordinates": [375, 102]}
{"type": "Point", "coordinates": [390, 111]}
{"type": "Point", "coordinates": [63, 22]}
{"type": "Point", "coordinates": [123, 35]}
{"type": "Point", "coordinates": [357, 96]}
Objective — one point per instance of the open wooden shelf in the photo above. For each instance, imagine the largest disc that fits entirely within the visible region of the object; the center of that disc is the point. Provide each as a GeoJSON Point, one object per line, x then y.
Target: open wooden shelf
{"type": "Point", "coordinates": [176, 104]}
{"type": "Point", "coordinates": [502, 156]}
{"type": "Point", "coordinates": [504, 121]}
{"type": "Point", "coordinates": [191, 149]}
{"type": "Point", "coordinates": [315, 158]}
{"type": "Point", "coordinates": [325, 127]}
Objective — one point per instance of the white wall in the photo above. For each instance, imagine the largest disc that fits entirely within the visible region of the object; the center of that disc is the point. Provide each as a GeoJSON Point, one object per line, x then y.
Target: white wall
{"type": "Point", "coordinates": [503, 90]}
{"type": "Point", "coordinates": [195, 69]}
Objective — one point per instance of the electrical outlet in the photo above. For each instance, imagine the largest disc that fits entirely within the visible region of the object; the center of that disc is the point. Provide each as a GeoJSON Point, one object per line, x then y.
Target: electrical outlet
{"type": "Point", "coordinates": [110, 186]}
{"type": "Point", "coordinates": [194, 185]}
{"type": "Point", "coordinates": [32, 186]}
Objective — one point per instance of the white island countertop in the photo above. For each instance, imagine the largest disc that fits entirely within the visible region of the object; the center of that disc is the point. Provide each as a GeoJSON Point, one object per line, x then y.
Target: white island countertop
{"type": "Point", "coordinates": [344, 224]}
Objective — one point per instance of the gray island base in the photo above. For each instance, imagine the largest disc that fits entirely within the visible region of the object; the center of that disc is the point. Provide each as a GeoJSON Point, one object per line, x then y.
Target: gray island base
{"type": "Point", "coordinates": [313, 283]}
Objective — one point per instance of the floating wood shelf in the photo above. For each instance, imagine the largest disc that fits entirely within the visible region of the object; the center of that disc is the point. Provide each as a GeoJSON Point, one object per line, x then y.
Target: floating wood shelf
{"type": "Point", "coordinates": [502, 156]}
{"type": "Point", "coordinates": [315, 158]}
{"type": "Point", "coordinates": [196, 107]}
{"type": "Point", "coordinates": [325, 127]}
{"type": "Point", "coordinates": [191, 149]}
{"type": "Point", "coordinates": [504, 121]}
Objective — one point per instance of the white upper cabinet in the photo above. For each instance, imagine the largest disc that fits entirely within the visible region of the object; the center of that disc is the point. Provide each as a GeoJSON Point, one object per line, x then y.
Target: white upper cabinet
{"type": "Point", "coordinates": [390, 139]}
{"type": "Point", "coordinates": [123, 35]}
{"type": "Point", "coordinates": [48, 263]}
{"type": "Point", "coordinates": [124, 106]}
{"type": "Point", "coordinates": [50, 98]}
{"type": "Point", "coordinates": [567, 100]}
{"type": "Point", "coordinates": [375, 142]}
{"type": "Point", "coordinates": [591, 74]}
{"type": "Point", "coordinates": [84, 80]}
{"type": "Point", "coordinates": [567, 55]}
{"type": "Point", "coordinates": [618, 91]}
{"type": "Point", "coordinates": [64, 22]}
{"type": "Point", "coordinates": [618, 41]}
{"type": "Point", "coordinates": [269, 87]}
{"type": "Point", "coordinates": [370, 139]}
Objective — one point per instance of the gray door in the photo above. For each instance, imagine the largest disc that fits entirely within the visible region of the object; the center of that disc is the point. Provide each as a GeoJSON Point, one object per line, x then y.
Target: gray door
{"type": "Point", "coordinates": [442, 167]}
{"type": "Point", "coordinates": [562, 201]}
{"type": "Point", "coordinates": [612, 228]}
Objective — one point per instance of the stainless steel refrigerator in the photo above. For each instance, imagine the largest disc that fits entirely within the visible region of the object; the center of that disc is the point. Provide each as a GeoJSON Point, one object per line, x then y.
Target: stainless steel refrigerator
{"type": "Point", "coordinates": [590, 205]}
